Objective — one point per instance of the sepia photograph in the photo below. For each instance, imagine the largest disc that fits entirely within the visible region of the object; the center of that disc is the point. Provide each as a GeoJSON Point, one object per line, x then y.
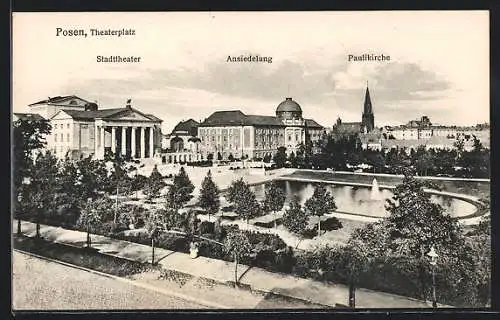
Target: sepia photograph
{"type": "Point", "coordinates": [250, 160]}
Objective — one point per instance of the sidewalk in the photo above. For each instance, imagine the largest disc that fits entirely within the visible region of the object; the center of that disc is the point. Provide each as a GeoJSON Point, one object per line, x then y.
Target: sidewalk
{"type": "Point", "coordinates": [222, 271]}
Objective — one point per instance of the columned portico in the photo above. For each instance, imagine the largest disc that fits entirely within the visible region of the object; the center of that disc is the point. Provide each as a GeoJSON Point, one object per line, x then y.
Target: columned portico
{"type": "Point", "coordinates": [116, 138]}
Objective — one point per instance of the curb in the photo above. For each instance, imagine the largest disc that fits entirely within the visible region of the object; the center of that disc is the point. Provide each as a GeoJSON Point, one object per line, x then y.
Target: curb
{"type": "Point", "coordinates": [127, 281]}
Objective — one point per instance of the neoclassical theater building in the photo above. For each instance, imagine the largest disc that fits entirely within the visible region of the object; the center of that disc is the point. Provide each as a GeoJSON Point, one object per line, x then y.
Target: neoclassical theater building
{"type": "Point", "coordinates": [227, 133]}
{"type": "Point", "coordinates": [80, 128]}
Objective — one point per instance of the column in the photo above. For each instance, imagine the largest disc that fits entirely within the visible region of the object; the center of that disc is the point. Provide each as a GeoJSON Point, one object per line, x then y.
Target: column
{"type": "Point", "coordinates": [102, 145]}
{"type": "Point", "coordinates": [124, 141]}
{"type": "Point", "coordinates": [132, 145]}
{"type": "Point", "coordinates": [96, 141]}
{"type": "Point", "coordinates": [143, 142]}
{"type": "Point", "coordinates": [113, 139]}
{"type": "Point", "coordinates": [151, 142]}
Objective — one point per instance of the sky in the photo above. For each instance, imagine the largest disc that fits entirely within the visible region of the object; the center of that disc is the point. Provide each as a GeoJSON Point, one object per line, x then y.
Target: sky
{"type": "Point", "coordinates": [439, 63]}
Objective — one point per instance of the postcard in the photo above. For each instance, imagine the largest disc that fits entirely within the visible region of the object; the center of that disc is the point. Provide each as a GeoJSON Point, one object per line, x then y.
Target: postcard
{"type": "Point", "coordinates": [251, 160]}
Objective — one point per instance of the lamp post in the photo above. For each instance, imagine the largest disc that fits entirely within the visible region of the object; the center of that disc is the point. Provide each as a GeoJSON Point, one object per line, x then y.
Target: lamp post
{"type": "Point", "coordinates": [433, 261]}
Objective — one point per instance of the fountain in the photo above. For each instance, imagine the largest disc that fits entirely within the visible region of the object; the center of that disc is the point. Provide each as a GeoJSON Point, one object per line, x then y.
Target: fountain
{"type": "Point", "coordinates": [369, 200]}
{"type": "Point", "coordinates": [375, 195]}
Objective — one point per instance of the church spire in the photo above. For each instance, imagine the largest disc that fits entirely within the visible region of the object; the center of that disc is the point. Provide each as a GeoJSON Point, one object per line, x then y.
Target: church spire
{"type": "Point", "coordinates": [368, 102]}
{"type": "Point", "coordinates": [367, 119]}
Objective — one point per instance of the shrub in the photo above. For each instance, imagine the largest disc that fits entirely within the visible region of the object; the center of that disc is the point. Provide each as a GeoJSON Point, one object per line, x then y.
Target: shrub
{"type": "Point", "coordinates": [173, 242]}
{"type": "Point", "coordinates": [207, 227]}
{"type": "Point", "coordinates": [109, 228]}
{"type": "Point", "coordinates": [331, 224]}
{"type": "Point", "coordinates": [269, 224]}
{"type": "Point", "coordinates": [213, 250]}
{"type": "Point", "coordinates": [229, 208]}
{"type": "Point", "coordinates": [265, 241]}
{"type": "Point", "coordinates": [309, 233]}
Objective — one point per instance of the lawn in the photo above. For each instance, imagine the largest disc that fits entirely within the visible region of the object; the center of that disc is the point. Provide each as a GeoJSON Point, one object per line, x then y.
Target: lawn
{"type": "Point", "coordinates": [87, 258]}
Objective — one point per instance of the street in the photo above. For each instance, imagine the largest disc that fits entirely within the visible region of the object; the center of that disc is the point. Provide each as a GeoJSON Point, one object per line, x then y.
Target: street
{"type": "Point", "coordinates": [40, 284]}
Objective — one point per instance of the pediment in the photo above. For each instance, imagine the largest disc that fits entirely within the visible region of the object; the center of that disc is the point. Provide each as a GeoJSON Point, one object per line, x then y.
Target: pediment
{"type": "Point", "coordinates": [129, 115]}
{"type": "Point", "coordinates": [61, 114]}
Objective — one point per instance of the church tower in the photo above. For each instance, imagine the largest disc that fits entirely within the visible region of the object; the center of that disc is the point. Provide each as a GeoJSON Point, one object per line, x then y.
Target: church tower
{"type": "Point", "coordinates": [367, 119]}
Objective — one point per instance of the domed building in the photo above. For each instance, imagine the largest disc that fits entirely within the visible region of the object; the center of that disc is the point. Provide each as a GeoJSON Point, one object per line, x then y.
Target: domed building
{"type": "Point", "coordinates": [233, 134]}
{"type": "Point", "coordinates": [289, 109]}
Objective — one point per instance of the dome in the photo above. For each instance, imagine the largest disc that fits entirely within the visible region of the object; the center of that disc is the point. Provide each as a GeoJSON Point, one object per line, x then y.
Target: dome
{"type": "Point", "coordinates": [288, 105]}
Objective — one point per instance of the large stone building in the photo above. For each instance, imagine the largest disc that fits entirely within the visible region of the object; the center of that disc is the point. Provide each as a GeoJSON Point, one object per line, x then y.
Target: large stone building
{"type": "Point", "coordinates": [79, 128]}
{"type": "Point", "coordinates": [182, 144]}
{"type": "Point", "coordinates": [226, 134]}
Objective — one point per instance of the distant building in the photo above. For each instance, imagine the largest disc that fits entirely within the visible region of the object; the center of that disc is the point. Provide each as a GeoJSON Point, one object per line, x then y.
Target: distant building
{"type": "Point", "coordinates": [182, 144]}
{"type": "Point", "coordinates": [367, 124]}
{"type": "Point", "coordinates": [424, 131]}
{"type": "Point", "coordinates": [227, 134]}
{"type": "Point", "coordinates": [79, 128]}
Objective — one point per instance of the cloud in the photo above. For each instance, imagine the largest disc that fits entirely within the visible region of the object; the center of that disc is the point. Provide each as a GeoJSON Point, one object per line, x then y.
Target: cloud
{"type": "Point", "coordinates": [324, 91]}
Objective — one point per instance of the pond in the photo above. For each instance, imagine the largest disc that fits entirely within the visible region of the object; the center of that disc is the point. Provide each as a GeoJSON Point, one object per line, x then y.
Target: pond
{"type": "Point", "coordinates": [363, 200]}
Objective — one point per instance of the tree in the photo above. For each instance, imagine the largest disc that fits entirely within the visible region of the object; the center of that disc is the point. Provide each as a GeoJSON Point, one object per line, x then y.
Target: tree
{"type": "Point", "coordinates": [181, 191]}
{"type": "Point", "coordinates": [209, 196]}
{"type": "Point", "coordinates": [190, 224]}
{"type": "Point", "coordinates": [43, 186]}
{"type": "Point", "coordinates": [230, 157]}
{"type": "Point", "coordinates": [154, 184]}
{"type": "Point", "coordinates": [274, 198]}
{"type": "Point", "coordinates": [423, 161]}
{"type": "Point", "coordinates": [219, 156]}
{"type": "Point", "coordinates": [28, 136]}
{"type": "Point", "coordinates": [359, 257]}
{"type": "Point", "coordinates": [234, 190]}
{"type": "Point", "coordinates": [210, 157]}
{"type": "Point", "coordinates": [154, 224]}
{"type": "Point", "coordinates": [267, 158]}
{"type": "Point", "coordinates": [245, 203]}
{"type": "Point", "coordinates": [238, 245]}
{"type": "Point", "coordinates": [415, 223]}
{"type": "Point", "coordinates": [295, 218]}
{"type": "Point", "coordinates": [321, 203]}
{"type": "Point", "coordinates": [90, 217]}
{"type": "Point", "coordinates": [280, 157]}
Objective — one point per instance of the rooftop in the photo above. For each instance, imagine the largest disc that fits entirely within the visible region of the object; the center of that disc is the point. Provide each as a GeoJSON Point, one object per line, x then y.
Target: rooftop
{"type": "Point", "coordinates": [288, 105]}
{"type": "Point", "coordinates": [57, 99]}
{"type": "Point", "coordinates": [238, 118]}
{"type": "Point", "coordinates": [28, 116]}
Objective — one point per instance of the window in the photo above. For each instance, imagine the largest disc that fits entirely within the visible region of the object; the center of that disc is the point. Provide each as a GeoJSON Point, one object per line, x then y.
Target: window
{"type": "Point", "coordinates": [67, 136]}
{"type": "Point", "coordinates": [67, 126]}
{"type": "Point", "coordinates": [55, 138]}
{"type": "Point", "coordinates": [62, 137]}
